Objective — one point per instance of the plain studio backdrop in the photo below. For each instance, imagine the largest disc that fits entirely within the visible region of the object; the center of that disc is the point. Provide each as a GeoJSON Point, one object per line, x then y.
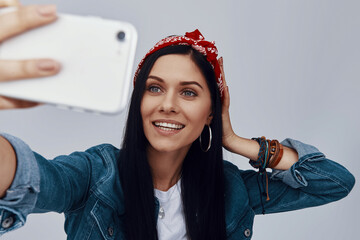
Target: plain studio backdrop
{"type": "Point", "coordinates": [293, 68]}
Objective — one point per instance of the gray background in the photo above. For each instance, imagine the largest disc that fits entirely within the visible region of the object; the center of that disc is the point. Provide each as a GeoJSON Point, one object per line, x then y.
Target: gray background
{"type": "Point", "coordinates": [293, 70]}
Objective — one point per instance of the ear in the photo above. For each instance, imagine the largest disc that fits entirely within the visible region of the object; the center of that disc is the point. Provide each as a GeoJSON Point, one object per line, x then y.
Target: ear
{"type": "Point", "coordinates": [209, 119]}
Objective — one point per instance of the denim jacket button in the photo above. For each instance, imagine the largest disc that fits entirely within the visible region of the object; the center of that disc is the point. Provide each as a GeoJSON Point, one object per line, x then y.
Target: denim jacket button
{"type": "Point", "coordinates": [247, 232]}
{"type": "Point", "coordinates": [7, 222]}
{"type": "Point", "coordinates": [299, 177]}
{"type": "Point", "coordinates": [110, 231]}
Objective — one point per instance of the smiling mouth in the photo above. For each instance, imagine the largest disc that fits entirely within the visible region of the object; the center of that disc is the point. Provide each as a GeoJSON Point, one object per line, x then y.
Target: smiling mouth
{"type": "Point", "coordinates": [168, 126]}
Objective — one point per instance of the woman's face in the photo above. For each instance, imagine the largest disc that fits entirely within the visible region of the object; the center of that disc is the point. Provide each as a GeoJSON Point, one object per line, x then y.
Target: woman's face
{"type": "Point", "coordinates": [176, 104]}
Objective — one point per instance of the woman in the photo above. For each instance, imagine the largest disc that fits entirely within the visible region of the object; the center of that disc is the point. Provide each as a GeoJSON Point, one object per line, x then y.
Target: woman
{"type": "Point", "coordinates": [178, 122]}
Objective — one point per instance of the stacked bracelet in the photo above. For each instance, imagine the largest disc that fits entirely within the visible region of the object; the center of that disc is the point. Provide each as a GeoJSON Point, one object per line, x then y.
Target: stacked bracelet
{"type": "Point", "coordinates": [270, 154]}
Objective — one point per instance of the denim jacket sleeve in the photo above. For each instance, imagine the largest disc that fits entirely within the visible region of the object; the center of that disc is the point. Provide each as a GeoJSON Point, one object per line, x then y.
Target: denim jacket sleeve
{"type": "Point", "coordinates": [313, 180]}
{"type": "Point", "coordinates": [20, 198]}
{"type": "Point", "coordinates": [42, 185]}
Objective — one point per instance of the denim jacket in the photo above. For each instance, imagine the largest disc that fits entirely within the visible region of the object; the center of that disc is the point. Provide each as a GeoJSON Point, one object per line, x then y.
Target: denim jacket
{"type": "Point", "coordinates": [86, 187]}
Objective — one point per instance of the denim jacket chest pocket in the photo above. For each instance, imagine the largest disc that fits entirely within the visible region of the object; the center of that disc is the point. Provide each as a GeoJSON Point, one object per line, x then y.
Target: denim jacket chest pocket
{"type": "Point", "coordinates": [244, 228]}
{"type": "Point", "coordinates": [239, 216]}
{"type": "Point", "coordinates": [107, 223]}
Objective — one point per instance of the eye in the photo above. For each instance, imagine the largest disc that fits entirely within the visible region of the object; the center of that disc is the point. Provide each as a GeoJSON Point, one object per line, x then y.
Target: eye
{"type": "Point", "coordinates": [154, 89]}
{"type": "Point", "coordinates": [189, 93]}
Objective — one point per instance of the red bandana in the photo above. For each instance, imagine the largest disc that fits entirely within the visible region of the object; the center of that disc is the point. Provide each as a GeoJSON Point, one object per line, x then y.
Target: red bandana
{"type": "Point", "coordinates": [197, 41]}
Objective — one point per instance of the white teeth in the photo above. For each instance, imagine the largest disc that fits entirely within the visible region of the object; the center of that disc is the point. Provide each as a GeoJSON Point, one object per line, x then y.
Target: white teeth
{"type": "Point", "coordinates": [168, 126]}
{"type": "Point", "coordinates": [166, 129]}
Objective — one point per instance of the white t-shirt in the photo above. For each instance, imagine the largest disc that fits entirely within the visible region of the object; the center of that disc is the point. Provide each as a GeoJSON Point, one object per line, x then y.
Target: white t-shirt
{"type": "Point", "coordinates": [171, 219]}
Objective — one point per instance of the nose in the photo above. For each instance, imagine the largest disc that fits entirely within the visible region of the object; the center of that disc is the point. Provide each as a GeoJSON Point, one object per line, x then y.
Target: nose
{"type": "Point", "coordinates": [169, 103]}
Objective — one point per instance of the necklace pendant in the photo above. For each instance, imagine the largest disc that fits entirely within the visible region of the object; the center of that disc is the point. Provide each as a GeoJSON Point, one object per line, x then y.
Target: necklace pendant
{"type": "Point", "coordinates": [161, 213]}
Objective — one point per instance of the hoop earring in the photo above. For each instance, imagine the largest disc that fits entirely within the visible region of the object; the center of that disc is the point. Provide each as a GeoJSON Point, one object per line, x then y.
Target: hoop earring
{"type": "Point", "coordinates": [210, 139]}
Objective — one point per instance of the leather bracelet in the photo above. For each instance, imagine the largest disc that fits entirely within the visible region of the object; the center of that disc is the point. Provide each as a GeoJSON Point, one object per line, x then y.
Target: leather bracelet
{"type": "Point", "coordinates": [270, 154]}
{"type": "Point", "coordinates": [277, 156]}
{"type": "Point", "coordinates": [275, 150]}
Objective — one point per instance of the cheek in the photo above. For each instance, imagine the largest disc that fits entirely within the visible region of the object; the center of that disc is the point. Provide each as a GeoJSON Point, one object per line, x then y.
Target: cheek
{"type": "Point", "coordinates": [199, 114]}
{"type": "Point", "coordinates": [145, 113]}
{"type": "Point", "coordinates": [145, 108]}
{"type": "Point", "coordinates": [142, 110]}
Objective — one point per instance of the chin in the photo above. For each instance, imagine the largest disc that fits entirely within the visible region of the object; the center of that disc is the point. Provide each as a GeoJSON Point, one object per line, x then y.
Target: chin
{"type": "Point", "coordinates": [163, 148]}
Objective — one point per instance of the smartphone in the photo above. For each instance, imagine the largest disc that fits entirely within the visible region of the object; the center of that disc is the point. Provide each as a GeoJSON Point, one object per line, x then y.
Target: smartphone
{"type": "Point", "coordinates": [96, 55]}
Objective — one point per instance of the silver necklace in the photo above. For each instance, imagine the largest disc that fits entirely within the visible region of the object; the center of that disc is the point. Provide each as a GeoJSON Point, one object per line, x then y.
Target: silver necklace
{"type": "Point", "coordinates": [161, 209]}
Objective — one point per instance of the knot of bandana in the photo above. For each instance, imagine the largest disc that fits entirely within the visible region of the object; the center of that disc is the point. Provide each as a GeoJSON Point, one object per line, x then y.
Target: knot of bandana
{"type": "Point", "coordinates": [197, 41]}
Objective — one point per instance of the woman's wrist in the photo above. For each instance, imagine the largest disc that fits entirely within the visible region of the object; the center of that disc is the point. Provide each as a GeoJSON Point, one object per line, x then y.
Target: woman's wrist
{"type": "Point", "coordinates": [243, 146]}
{"type": "Point", "coordinates": [249, 148]}
{"type": "Point", "coordinates": [7, 165]}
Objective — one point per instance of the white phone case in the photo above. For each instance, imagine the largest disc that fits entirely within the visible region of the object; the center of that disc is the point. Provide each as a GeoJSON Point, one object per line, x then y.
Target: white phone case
{"type": "Point", "coordinates": [97, 58]}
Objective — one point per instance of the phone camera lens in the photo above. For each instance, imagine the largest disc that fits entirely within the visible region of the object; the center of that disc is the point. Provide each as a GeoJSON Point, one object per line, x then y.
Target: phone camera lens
{"type": "Point", "coordinates": [121, 35]}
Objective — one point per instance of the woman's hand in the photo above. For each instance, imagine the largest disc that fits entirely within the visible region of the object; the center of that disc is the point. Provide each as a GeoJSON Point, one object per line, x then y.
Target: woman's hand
{"type": "Point", "coordinates": [17, 22]}
{"type": "Point", "coordinates": [228, 133]}
{"type": "Point", "coordinates": [246, 147]}
{"type": "Point", "coordinates": [232, 142]}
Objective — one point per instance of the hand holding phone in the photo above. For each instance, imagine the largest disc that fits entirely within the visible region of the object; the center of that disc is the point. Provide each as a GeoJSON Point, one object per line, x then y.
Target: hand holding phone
{"type": "Point", "coordinates": [14, 23]}
{"type": "Point", "coordinates": [96, 57]}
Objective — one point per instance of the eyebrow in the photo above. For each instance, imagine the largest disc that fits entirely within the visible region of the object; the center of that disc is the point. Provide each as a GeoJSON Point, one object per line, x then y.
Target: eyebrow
{"type": "Point", "coordinates": [183, 83]}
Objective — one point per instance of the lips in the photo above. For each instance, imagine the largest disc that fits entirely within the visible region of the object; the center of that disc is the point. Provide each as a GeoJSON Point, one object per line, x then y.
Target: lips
{"type": "Point", "coordinates": [167, 126]}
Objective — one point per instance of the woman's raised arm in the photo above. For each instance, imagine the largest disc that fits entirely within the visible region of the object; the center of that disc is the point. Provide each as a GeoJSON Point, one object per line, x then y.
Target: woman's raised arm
{"type": "Point", "coordinates": [11, 24]}
{"type": "Point", "coordinates": [243, 146]}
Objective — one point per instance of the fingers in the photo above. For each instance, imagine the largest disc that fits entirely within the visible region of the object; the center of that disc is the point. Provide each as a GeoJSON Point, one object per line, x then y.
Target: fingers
{"type": "Point", "coordinates": [16, 22]}
{"type": "Point", "coordinates": [9, 3]}
{"type": "Point", "coordinates": [25, 18]}
{"type": "Point", "coordinates": [221, 63]}
{"type": "Point", "coordinates": [10, 103]}
{"type": "Point", "coordinates": [226, 98]}
{"type": "Point", "coordinates": [13, 70]}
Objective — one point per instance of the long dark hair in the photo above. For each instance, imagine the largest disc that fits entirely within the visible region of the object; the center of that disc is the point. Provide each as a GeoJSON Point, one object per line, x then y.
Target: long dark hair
{"type": "Point", "coordinates": [202, 176]}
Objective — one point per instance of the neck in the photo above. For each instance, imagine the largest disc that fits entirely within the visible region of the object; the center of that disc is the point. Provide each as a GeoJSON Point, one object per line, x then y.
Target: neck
{"type": "Point", "coordinates": [165, 167]}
